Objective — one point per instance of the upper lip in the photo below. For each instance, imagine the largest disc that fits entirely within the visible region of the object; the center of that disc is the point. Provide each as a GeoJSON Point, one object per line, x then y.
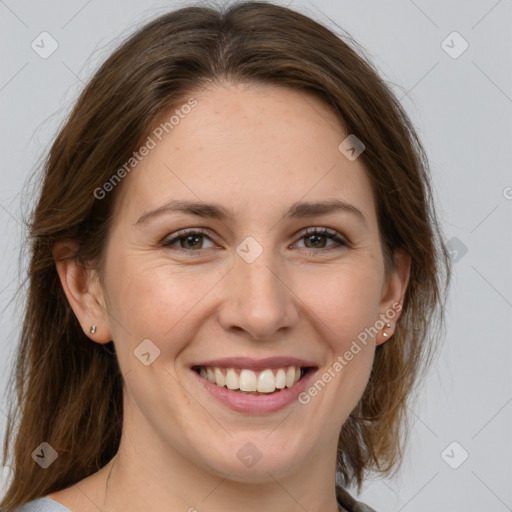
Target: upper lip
{"type": "Point", "coordinates": [255, 364]}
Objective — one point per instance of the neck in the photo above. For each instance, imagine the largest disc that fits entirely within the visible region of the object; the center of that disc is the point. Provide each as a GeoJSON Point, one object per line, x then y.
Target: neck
{"type": "Point", "coordinates": [133, 484]}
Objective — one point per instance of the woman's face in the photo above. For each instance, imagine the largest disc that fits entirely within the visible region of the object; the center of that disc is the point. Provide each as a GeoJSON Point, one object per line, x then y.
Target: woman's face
{"type": "Point", "coordinates": [252, 291]}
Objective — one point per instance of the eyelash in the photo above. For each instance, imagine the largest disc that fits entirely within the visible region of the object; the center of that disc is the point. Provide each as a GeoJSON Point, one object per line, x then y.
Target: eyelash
{"type": "Point", "coordinates": [331, 234]}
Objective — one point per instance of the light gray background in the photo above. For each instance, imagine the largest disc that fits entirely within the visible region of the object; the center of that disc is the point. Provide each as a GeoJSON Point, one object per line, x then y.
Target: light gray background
{"type": "Point", "coordinates": [462, 108]}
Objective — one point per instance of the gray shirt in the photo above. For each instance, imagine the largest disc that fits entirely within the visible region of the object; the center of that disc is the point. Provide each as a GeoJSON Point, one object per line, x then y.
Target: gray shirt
{"type": "Point", "coordinates": [346, 502]}
{"type": "Point", "coordinates": [42, 505]}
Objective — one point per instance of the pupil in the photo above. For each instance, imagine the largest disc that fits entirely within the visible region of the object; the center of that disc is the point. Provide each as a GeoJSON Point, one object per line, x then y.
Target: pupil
{"type": "Point", "coordinates": [315, 237]}
{"type": "Point", "coordinates": [191, 237]}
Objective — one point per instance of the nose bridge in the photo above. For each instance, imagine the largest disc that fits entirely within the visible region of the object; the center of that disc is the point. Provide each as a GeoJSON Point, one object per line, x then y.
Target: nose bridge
{"type": "Point", "coordinates": [257, 299]}
{"type": "Point", "coordinates": [261, 281]}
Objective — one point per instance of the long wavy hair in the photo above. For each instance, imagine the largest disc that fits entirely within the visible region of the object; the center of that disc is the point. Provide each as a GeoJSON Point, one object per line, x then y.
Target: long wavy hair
{"type": "Point", "coordinates": [66, 390]}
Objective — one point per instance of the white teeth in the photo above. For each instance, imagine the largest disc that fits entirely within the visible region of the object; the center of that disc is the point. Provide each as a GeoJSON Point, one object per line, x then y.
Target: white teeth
{"type": "Point", "coordinates": [290, 377]}
{"type": "Point", "coordinates": [266, 381]}
{"type": "Point", "coordinates": [280, 379]}
{"type": "Point", "coordinates": [247, 380]}
{"type": "Point", "coordinates": [232, 379]}
{"type": "Point", "coordinates": [220, 380]}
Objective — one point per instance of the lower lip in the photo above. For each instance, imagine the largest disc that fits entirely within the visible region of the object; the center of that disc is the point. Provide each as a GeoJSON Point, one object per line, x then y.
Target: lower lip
{"type": "Point", "coordinates": [257, 404]}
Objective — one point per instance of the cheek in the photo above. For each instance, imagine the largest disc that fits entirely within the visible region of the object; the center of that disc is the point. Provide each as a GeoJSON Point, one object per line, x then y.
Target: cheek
{"type": "Point", "coordinates": [346, 306]}
{"type": "Point", "coordinates": [152, 300]}
{"type": "Point", "coordinates": [345, 301]}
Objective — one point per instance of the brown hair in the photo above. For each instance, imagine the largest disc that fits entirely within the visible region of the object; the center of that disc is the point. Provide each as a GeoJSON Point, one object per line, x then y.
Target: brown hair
{"type": "Point", "coordinates": [69, 389]}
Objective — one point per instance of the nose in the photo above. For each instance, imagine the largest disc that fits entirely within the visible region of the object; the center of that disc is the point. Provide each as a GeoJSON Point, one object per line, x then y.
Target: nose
{"type": "Point", "coordinates": [258, 299]}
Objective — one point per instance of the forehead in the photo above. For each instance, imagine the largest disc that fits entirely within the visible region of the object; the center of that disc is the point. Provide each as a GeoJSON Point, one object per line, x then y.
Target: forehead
{"type": "Point", "coordinates": [254, 148]}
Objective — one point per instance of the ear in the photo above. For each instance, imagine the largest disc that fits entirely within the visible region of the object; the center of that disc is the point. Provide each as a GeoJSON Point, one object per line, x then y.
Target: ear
{"type": "Point", "coordinates": [393, 293]}
{"type": "Point", "coordinates": [83, 291]}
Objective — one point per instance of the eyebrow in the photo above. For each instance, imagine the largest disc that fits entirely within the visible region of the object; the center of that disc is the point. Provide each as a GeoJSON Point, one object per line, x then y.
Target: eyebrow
{"type": "Point", "coordinates": [297, 210]}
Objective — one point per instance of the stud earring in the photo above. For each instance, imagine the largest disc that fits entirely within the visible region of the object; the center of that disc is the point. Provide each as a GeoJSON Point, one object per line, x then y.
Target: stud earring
{"type": "Point", "coordinates": [92, 329]}
{"type": "Point", "coordinates": [385, 334]}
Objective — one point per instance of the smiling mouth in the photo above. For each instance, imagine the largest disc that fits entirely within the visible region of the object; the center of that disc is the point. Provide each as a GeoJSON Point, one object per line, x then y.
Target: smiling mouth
{"type": "Point", "coordinates": [249, 382]}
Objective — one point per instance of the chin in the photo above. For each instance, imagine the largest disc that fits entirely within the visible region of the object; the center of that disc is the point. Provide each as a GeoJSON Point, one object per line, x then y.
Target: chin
{"type": "Point", "coordinates": [256, 458]}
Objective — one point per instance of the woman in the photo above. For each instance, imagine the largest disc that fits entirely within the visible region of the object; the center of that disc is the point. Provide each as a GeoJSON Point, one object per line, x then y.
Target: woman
{"type": "Point", "coordinates": [236, 276]}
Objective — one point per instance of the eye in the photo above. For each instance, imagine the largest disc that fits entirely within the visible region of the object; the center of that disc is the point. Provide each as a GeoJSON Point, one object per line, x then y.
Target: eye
{"type": "Point", "coordinates": [319, 236]}
{"type": "Point", "coordinates": [192, 240]}
{"type": "Point", "coordinates": [189, 240]}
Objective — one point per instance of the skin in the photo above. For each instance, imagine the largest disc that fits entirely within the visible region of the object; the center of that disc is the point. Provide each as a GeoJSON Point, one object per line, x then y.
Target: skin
{"type": "Point", "coordinates": [255, 150]}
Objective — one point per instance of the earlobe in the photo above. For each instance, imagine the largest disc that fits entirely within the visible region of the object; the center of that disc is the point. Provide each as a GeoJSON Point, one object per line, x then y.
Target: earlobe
{"type": "Point", "coordinates": [83, 291]}
{"type": "Point", "coordinates": [394, 295]}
